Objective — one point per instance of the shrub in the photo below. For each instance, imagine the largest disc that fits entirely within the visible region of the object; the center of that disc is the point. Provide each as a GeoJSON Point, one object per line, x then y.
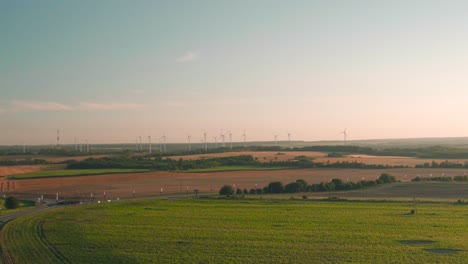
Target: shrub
{"type": "Point", "coordinates": [11, 203]}
{"type": "Point", "coordinates": [252, 191]}
{"type": "Point", "coordinates": [226, 190]}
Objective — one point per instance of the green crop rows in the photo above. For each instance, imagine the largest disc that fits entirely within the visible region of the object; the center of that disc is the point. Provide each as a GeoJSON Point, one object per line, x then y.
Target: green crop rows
{"type": "Point", "coordinates": [241, 231]}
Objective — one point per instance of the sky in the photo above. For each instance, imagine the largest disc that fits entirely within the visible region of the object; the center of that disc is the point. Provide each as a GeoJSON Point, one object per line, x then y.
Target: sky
{"type": "Point", "coordinates": [109, 71]}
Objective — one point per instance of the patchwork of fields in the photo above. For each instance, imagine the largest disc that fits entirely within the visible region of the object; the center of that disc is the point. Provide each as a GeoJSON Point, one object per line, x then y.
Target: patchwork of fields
{"type": "Point", "coordinates": [241, 231]}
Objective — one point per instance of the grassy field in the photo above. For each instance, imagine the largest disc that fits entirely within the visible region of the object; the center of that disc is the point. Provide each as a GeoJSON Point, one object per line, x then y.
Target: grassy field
{"type": "Point", "coordinates": [241, 231]}
{"type": "Point", "coordinates": [237, 168]}
{"type": "Point", "coordinates": [64, 173]}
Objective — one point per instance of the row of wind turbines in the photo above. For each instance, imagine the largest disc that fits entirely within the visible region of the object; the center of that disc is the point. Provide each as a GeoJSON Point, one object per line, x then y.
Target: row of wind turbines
{"type": "Point", "coordinates": [218, 138]}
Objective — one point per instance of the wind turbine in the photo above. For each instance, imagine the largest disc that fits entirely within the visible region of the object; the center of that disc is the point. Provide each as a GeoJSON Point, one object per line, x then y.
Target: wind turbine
{"type": "Point", "coordinates": [344, 136]}
{"type": "Point", "coordinates": [149, 142]}
{"type": "Point", "coordinates": [244, 136]}
{"type": "Point", "coordinates": [87, 146]}
{"type": "Point", "coordinates": [164, 141]}
{"type": "Point", "coordinates": [289, 139]}
{"type": "Point", "coordinates": [160, 146]}
{"type": "Point", "coordinates": [136, 144]}
{"type": "Point", "coordinates": [230, 139]}
{"type": "Point", "coordinates": [189, 146]}
{"type": "Point", "coordinates": [222, 138]}
{"type": "Point", "coordinates": [141, 144]}
{"type": "Point", "coordinates": [276, 140]}
{"type": "Point", "coordinates": [204, 139]}
{"type": "Point", "coordinates": [216, 141]}
{"type": "Point", "coordinates": [76, 146]}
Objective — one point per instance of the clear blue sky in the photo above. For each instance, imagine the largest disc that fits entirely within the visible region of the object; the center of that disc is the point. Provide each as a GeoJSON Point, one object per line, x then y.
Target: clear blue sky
{"type": "Point", "coordinates": [112, 70]}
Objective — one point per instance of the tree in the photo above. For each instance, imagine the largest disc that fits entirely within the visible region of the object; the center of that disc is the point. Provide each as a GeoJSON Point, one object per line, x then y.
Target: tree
{"type": "Point", "coordinates": [11, 202]}
{"type": "Point", "coordinates": [303, 184]}
{"type": "Point", "coordinates": [276, 187]}
{"type": "Point", "coordinates": [226, 190]}
{"type": "Point", "coordinates": [293, 187]}
{"type": "Point", "coordinates": [387, 178]}
{"type": "Point", "coordinates": [238, 191]}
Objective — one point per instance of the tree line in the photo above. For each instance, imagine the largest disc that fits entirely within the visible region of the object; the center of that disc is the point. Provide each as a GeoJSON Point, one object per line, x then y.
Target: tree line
{"type": "Point", "coordinates": [302, 186]}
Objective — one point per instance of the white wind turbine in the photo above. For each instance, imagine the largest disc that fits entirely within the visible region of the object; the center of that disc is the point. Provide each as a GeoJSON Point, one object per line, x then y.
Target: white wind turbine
{"type": "Point", "coordinates": [216, 141]}
{"type": "Point", "coordinates": [276, 140]}
{"type": "Point", "coordinates": [344, 136]}
{"type": "Point", "coordinates": [289, 139]}
{"type": "Point", "coordinates": [223, 135]}
{"type": "Point", "coordinates": [204, 139]}
{"type": "Point", "coordinates": [230, 139]}
{"type": "Point", "coordinates": [189, 145]}
{"type": "Point", "coordinates": [245, 137]}
{"type": "Point", "coordinates": [149, 142]}
{"type": "Point", "coordinates": [164, 141]}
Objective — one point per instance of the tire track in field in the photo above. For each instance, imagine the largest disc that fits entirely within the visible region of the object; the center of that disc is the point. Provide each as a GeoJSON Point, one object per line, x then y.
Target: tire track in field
{"type": "Point", "coordinates": [50, 246]}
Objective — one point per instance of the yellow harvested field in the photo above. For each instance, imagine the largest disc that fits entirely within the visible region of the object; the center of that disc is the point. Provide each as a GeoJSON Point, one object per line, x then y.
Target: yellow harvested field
{"type": "Point", "coordinates": [262, 156]}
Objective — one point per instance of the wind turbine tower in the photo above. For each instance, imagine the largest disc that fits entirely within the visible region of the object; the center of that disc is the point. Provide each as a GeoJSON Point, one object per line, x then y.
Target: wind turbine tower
{"type": "Point", "coordinates": [58, 138]}
{"type": "Point", "coordinates": [141, 144]}
{"type": "Point", "coordinates": [189, 145]}
{"type": "Point", "coordinates": [216, 141]}
{"type": "Point", "coordinates": [136, 144]}
{"type": "Point", "coordinates": [87, 146]}
{"type": "Point", "coordinates": [276, 140]}
{"type": "Point", "coordinates": [244, 136]}
{"type": "Point", "coordinates": [289, 139]}
{"type": "Point", "coordinates": [149, 142]}
{"type": "Point", "coordinates": [344, 136]}
{"type": "Point", "coordinates": [230, 139]}
{"type": "Point", "coordinates": [164, 141]}
{"type": "Point", "coordinates": [222, 138]}
{"type": "Point", "coordinates": [204, 139]}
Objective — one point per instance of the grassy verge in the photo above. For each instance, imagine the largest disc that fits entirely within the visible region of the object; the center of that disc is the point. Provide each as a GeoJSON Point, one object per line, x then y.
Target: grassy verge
{"type": "Point", "coordinates": [65, 173]}
{"type": "Point", "coordinates": [237, 168]}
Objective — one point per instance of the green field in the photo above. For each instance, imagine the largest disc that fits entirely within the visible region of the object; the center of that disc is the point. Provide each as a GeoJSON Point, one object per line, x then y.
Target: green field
{"type": "Point", "coordinates": [237, 168]}
{"type": "Point", "coordinates": [65, 173]}
{"type": "Point", "coordinates": [241, 231]}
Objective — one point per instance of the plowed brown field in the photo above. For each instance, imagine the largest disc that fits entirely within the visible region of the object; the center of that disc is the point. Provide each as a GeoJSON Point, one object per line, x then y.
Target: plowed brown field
{"type": "Point", "coordinates": [148, 184]}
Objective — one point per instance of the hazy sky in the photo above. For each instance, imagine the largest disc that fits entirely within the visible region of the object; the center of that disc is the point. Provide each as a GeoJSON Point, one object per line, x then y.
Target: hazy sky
{"type": "Point", "coordinates": [112, 70]}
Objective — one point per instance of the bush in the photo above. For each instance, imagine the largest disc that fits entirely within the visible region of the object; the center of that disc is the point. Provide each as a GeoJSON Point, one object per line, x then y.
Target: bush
{"type": "Point", "coordinates": [226, 190]}
{"type": "Point", "coordinates": [11, 203]}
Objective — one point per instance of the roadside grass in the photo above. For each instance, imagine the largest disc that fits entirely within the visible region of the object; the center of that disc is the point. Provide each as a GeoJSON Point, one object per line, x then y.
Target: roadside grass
{"type": "Point", "coordinates": [65, 173]}
{"type": "Point", "coordinates": [24, 205]}
{"type": "Point", "coordinates": [241, 231]}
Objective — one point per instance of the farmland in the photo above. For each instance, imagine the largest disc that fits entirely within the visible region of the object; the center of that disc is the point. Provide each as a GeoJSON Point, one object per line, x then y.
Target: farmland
{"type": "Point", "coordinates": [237, 168]}
{"type": "Point", "coordinates": [65, 173]}
{"type": "Point", "coordinates": [242, 231]}
{"type": "Point", "coordinates": [150, 183]}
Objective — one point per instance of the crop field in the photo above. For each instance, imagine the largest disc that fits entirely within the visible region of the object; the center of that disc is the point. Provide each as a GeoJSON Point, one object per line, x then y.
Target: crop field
{"type": "Point", "coordinates": [262, 156]}
{"type": "Point", "coordinates": [273, 156]}
{"type": "Point", "coordinates": [9, 170]}
{"type": "Point", "coordinates": [65, 173]}
{"type": "Point", "coordinates": [241, 231]}
{"type": "Point", "coordinates": [150, 183]}
{"type": "Point", "coordinates": [237, 168]}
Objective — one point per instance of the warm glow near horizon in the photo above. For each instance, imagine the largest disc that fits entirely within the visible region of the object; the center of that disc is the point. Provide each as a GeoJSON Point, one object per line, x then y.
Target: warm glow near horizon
{"type": "Point", "coordinates": [110, 71]}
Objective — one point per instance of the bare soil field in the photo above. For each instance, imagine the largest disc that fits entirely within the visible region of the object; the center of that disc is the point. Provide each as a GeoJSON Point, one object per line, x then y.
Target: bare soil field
{"type": "Point", "coordinates": [9, 170]}
{"type": "Point", "coordinates": [149, 184]}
